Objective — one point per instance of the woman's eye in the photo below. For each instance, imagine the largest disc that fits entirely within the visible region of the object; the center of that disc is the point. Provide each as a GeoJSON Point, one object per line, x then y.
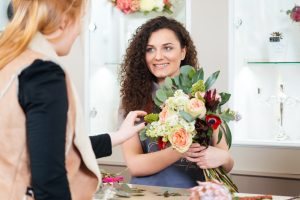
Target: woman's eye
{"type": "Point", "coordinates": [149, 50]}
{"type": "Point", "coordinates": [168, 48]}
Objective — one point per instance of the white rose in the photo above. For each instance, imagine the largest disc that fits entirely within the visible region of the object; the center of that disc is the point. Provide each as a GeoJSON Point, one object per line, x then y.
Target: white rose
{"type": "Point", "coordinates": [159, 4]}
{"type": "Point", "coordinates": [147, 5]}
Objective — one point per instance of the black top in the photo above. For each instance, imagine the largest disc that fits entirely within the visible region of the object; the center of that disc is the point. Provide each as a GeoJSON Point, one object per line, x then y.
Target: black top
{"type": "Point", "coordinates": [43, 97]}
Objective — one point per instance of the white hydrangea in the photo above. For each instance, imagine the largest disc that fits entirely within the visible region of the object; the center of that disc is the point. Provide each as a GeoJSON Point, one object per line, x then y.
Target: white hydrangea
{"type": "Point", "coordinates": [178, 102]}
{"type": "Point", "coordinates": [159, 5]}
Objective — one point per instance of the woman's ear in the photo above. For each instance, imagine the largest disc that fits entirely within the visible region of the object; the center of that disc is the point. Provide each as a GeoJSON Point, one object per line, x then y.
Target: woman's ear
{"type": "Point", "coordinates": [60, 31]}
{"type": "Point", "coordinates": [183, 53]}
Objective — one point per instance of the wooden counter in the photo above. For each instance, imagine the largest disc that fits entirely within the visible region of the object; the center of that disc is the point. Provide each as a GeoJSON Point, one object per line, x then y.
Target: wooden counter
{"type": "Point", "coordinates": [157, 193]}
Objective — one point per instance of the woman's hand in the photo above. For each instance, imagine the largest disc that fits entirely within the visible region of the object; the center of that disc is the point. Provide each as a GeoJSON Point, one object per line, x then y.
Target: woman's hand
{"type": "Point", "coordinates": [210, 157]}
{"type": "Point", "coordinates": [128, 128]}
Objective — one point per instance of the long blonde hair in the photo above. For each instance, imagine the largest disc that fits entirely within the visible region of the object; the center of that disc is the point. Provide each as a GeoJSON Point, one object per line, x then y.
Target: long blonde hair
{"type": "Point", "coordinates": [31, 16]}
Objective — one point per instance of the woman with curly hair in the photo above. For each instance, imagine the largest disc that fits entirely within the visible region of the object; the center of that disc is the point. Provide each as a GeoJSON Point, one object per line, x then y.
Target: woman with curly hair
{"type": "Point", "coordinates": [157, 50]}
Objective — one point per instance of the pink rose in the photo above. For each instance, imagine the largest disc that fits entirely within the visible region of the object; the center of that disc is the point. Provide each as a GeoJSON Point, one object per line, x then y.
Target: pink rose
{"type": "Point", "coordinates": [124, 6]}
{"type": "Point", "coordinates": [295, 14]}
{"type": "Point", "coordinates": [196, 107]}
{"type": "Point", "coordinates": [180, 140]}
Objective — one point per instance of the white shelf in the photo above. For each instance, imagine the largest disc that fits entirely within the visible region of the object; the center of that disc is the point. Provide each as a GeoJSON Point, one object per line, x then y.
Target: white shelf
{"type": "Point", "coordinates": [267, 143]}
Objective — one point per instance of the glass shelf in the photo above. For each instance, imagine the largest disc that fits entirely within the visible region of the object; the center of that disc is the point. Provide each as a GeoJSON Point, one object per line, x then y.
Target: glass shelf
{"type": "Point", "coordinates": [272, 62]}
{"type": "Point", "coordinates": [269, 143]}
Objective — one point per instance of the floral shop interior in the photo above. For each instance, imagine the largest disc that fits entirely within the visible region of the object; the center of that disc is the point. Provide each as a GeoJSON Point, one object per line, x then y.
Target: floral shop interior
{"type": "Point", "coordinates": [254, 45]}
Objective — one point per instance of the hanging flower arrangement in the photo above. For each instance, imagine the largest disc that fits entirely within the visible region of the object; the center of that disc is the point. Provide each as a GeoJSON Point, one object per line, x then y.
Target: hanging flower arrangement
{"type": "Point", "coordinates": [145, 6]}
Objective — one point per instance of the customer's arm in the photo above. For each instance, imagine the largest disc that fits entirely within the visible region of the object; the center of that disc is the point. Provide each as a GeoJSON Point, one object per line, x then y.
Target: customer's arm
{"type": "Point", "coordinates": [43, 97]}
{"type": "Point", "coordinates": [102, 144]}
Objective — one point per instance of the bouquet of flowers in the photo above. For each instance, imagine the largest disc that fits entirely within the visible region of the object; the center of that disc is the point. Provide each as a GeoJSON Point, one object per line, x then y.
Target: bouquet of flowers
{"type": "Point", "coordinates": [145, 6]}
{"type": "Point", "coordinates": [294, 13]}
{"type": "Point", "coordinates": [191, 112]}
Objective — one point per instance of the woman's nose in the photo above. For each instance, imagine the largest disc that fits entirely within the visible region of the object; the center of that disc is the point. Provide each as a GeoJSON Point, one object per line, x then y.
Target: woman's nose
{"type": "Point", "coordinates": [158, 55]}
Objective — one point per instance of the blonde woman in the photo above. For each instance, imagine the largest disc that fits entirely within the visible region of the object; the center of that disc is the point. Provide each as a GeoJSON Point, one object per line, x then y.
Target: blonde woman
{"type": "Point", "coordinates": [45, 153]}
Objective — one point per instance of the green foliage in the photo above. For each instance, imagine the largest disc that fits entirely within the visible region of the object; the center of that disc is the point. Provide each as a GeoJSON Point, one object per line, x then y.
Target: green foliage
{"type": "Point", "coordinates": [198, 87]}
{"type": "Point", "coordinates": [199, 75]}
{"type": "Point", "coordinates": [225, 97]}
{"type": "Point", "coordinates": [186, 116]}
{"type": "Point", "coordinates": [227, 115]}
{"type": "Point", "coordinates": [142, 134]}
{"type": "Point", "coordinates": [228, 135]}
{"type": "Point", "coordinates": [152, 117]}
{"type": "Point", "coordinates": [211, 80]}
{"type": "Point", "coordinates": [161, 95]}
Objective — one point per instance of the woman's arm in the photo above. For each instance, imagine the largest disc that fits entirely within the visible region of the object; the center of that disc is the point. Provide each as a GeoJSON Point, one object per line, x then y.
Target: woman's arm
{"type": "Point", "coordinates": [140, 164]}
{"type": "Point", "coordinates": [43, 97]}
{"type": "Point", "coordinates": [102, 144]}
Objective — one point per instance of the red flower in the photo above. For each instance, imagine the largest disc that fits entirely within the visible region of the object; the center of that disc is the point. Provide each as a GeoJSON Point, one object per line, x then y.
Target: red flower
{"type": "Point", "coordinates": [161, 143]}
{"type": "Point", "coordinates": [212, 100]}
{"type": "Point", "coordinates": [213, 121]}
{"type": "Point", "coordinates": [295, 14]}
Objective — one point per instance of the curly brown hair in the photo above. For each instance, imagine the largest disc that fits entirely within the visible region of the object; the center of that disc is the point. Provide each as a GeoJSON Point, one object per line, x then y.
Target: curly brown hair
{"type": "Point", "coordinates": [135, 77]}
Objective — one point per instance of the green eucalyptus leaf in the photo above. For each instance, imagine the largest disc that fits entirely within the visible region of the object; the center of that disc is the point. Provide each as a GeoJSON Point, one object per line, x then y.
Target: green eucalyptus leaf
{"type": "Point", "coordinates": [198, 75]}
{"type": "Point", "coordinates": [191, 74]}
{"type": "Point", "coordinates": [176, 81]}
{"type": "Point", "coordinates": [225, 97]}
{"type": "Point", "coordinates": [168, 82]}
{"type": "Point", "coordinates": [228, 135]}
{"type": "Point", "coordinates": [227, 117]}
{"type": "Point", "coordinates": [211, 80]}
{"type": "Point", "coordinates": [186, 69]}
{"type": "Point", "coordinates": [157, 102]}
{"type": "Point", "coordinates": [186, 116]}
{"type": "Point", "coordinates": [220, 134]}
{"type": "Point", "coordinates": [161, 95]}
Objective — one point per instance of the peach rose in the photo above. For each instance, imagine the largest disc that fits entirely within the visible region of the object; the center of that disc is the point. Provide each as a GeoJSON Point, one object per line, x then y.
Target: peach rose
{"type": "Point", "coordinates": [180, 140]}
{"type": "Point", "coordinates": [163, 115]}
{"type": "Point", "coordinates": [196, 107]}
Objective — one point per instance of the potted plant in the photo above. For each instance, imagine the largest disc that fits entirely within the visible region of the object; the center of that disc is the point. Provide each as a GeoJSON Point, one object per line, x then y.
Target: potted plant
{"type": "Point", "coordinates": [277, 48]}
{"type": "Point", "coordinates": [276, 37]}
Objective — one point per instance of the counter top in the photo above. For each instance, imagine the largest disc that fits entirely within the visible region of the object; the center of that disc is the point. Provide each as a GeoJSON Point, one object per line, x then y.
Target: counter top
{"type": "Point", "coordinates": [142, 192]}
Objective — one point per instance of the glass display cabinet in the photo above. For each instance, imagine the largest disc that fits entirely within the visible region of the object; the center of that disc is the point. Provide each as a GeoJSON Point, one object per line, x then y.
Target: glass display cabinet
{"type": "Point", "coordinates": [264, 72]}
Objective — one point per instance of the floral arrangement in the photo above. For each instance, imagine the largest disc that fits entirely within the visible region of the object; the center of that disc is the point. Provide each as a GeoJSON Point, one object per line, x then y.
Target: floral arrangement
{"type": "Point", "coordinates": [294, 13]}
{"type": "Point", "coordinates": [190, 112]}
{"type": "Point", "coordinates": [145, 6]}
{"type": "Point", "coordinates": [210, 190]}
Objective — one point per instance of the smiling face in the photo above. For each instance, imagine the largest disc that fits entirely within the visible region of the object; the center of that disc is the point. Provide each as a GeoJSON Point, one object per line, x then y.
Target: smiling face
{"type": "Point", "coordinates": [164, 54]}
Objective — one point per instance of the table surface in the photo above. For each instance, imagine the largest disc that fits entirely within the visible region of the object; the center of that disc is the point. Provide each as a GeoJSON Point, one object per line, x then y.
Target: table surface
{"type": "Point", "coordinates": [157, 193]}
